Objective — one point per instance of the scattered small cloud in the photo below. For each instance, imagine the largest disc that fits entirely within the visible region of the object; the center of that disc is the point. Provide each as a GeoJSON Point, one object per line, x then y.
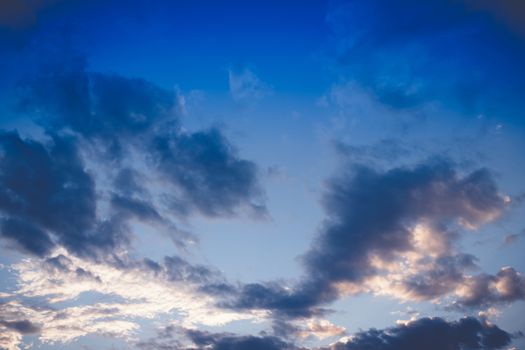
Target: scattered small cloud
{"type": "Point", "coordinates": [245, 86]}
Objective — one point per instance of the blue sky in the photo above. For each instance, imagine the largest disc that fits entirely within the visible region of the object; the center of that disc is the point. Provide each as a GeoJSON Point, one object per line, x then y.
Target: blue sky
{"type": "Point", "coordinates": [227, 175]}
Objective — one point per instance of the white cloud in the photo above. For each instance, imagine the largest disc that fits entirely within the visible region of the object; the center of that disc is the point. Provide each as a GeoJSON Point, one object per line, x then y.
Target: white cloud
{"type": "Point", "coordinates": [320, 329]}
{"type": "Point", "coordinates": [9, 339]}
{"type": "Point", "coordinates": [141, 293]}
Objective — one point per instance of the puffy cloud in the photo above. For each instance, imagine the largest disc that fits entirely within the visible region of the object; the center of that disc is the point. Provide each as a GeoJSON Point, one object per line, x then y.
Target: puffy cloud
{"type": "Point", "coordinates": [143, 165]}
{"type": "Point", "coordinates": [506, 286]}
{"type": "Point", "coordinates": [424, 333]}
{"type": "Point", "coordinates": [23, 327]}
{"type": "Point", "coordinates": [431, 334]}
{"type": "Point", "coordinates": [124, 118]}
{"type": "Point", "coordinates": [320, 329]}
{"type": "Point", "coordinates": [180, 338]}
{"type": "Point", "coordinates": [108, 108]}
{"type": "Point", "coordinates": [387, 232]}
{"type": "Point", "coordinates": [209, 174]}
{"type": "Point", "coordinates": [374, 216]}
{"type": "Point", "coordinates": [222, 341]}
{"type": "Point", "coordinates": [47, 197]}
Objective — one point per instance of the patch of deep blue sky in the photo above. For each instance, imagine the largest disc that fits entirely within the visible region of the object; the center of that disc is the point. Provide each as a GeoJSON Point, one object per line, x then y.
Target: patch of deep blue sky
{"type": "Point", "coordinates": [405, 52]}
{"type": "Point", "coordinates": [192, 43]}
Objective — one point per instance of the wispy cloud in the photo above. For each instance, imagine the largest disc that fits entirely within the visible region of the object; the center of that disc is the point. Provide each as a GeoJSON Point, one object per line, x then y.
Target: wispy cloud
{"type": "Point", "coordinates": [245, 85]}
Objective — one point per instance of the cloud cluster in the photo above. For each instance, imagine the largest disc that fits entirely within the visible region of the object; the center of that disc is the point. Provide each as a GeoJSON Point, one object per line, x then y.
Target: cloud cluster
{"type": "Point", "coordinates": [424, 333]}
{"type": "Point", "coordinates": [47, 197]}
{"type": "Point", "coordinates": [506, 286]}
{"type": "Point", "coordinates": [115, 143]}
{"type": "Point", "coordinates": [431, 334]}
{"type": "Point", "coordinates": [389, 232]}
{"type": "Point", "coordinates": [112, 153]}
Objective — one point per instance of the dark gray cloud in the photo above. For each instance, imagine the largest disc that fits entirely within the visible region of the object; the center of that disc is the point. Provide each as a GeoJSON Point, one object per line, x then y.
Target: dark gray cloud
{"type": "Point", "coordinates": [29, 238]}
{"type": "Point", "coordinates": [225, 341]}
{"type": "Point", "coordinates": [424, 333]}
{"type": "Point", "coordinates": [134, 207]}
{"type": "Point", "coordinates": [430, 334]}
{"type": "Point", "coordinates": [179, 269]}
{"type": "Point", "coordinates": [129, 182]}
{"type": "Point", "coordinates": [170, 338]}
{"type": "Point", "coordinates": [207, 170]}
{"type": "Point", "coordinates": [49, 199]}
{"type": "Point", "coordinates": [46, 196]}
{"type": "Point", "coordinates": [63, 264]}
{"type": "Point", "coordinates": [373, 214]}
{"type": "Point", "coordinates": [22, 327]}
{"type": "Point", "coordinates": [107, 108]}
{"type": "Point", "coordinates": [116, 114]}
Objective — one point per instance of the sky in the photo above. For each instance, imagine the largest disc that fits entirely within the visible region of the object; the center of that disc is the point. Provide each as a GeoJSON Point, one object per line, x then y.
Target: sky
{"type": "Point", "coordinates": [262, 175]}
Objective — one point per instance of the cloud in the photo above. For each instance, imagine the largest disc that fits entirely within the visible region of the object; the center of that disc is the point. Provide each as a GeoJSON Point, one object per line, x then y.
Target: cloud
{"type": "Point", "coordinates": [9, 339]}
{"type": "Point", "coordinates": [46, 196]}
{"type": "Point", "coordinates": [389, 232]}
{"type": "Point", "coordinates": [388, 150]}
{"type": "Point", "coordinates": [123, 117]}
{"type": "Point", "coordinates": [371, 215]}
{"type": "Point", "coordinates": [513, 237]}
{"type": "Point", "coordinates": [145, 167]}
{"type": "Point", "coordinates": [506, 286]}
{"type": "Point", "coordinates": [430, 334]}
{"type": "Point", "coordinates": [108, 108]}
{"type": "Point", "coordinates": [211, 177]}
{"type": "Point", "coordinates": [22, 327]}
{"type": "Point", "coordinates": [205, 340]}
{"type": "Point", "coordinates": [127, 292]}
{"type": "Point", "coordinates": [424, 333]}
{"type": "Point", "coordinates": [245, 86]}
{"type": "Point", "coordinates": [320, 329]}
{"type": "Point", "coordinates": [177, 338]}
